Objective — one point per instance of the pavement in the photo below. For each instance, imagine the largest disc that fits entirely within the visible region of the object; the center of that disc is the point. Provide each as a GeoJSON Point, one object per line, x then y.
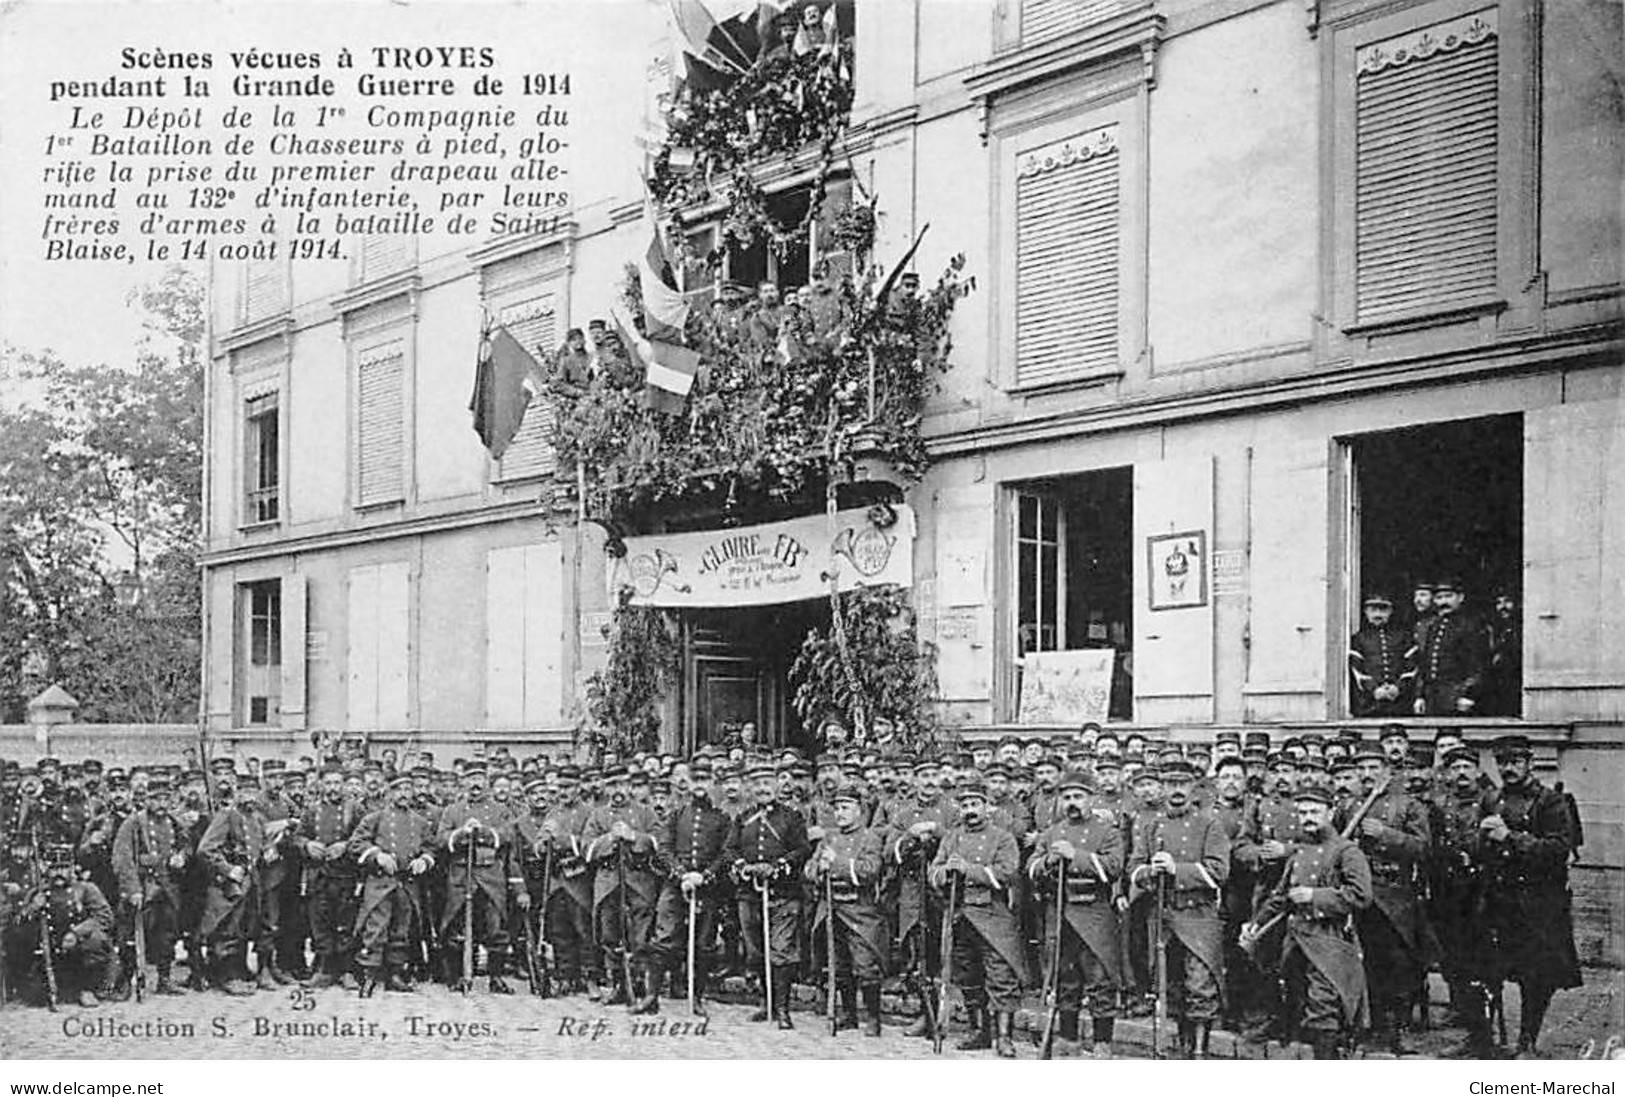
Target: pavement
{"type": "Point", "coordinates": [437, 1023]}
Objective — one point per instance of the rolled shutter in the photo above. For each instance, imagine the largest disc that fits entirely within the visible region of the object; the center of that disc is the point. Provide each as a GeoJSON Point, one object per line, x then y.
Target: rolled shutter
{"type": "Point", "coordinates": [1041, 19]}
{"type": "Point", "coordinates": [534, 324]}
{"type": "Point", "coordinates": [265, 290]}
{"type": "Point", "coordinates": [381, 426]}
{"type": "Point", "coordinates": [1425, 169]}
{"type": "Point", "coordinates": [385, 255]}
{"type": "Point", "coordinates": [1067, 258]}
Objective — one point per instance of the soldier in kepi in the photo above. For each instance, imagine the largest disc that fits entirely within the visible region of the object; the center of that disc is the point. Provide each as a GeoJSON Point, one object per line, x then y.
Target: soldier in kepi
{"type": "Point", "coordinates": [693, 861]}
{"type": "Point", "coordinates": [328, 825]}
{"type": "Point", "coordinates": [849, 859]}
{"type": "Point", "coordinates": [1326, 883]}
{"type": "Point", "coordinates": [149, 855]}
{"type": "Point", "coordinates": [395, 847]}
{"type": "Point", "coordinates": [973, 869]}
{"type": "Point", "coordinates": [478, 828]}
{"type": "Point", "coordinates": [232, 849]}
{"type": "Point", "coordinates": [1528, 837]}
{"type": "Point", "coordinates": [767, 847]}
{"type": "Point", "coordinates": [1382, 662]}
{"type": "Point", "coordinates": [1458, 899]}
{"type": "Point", "coordinates": [77, 922]}
{"type": "Point", "coordinates": [1085, 847]}
{"type": "Point", "coordinates": [621, 840]}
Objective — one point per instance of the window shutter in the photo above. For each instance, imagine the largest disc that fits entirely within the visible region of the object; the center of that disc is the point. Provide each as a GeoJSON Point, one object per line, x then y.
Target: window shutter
{"type": "Point", "coordinates": [1425, 169]}
{"type": "Point", "coordinates": [293, 652]}
{"type": "Point", "coordinates": [1042, 19]}
{"type": "Point", "coordinates": [1066, 258]}
{"type": "Point", "coordinates": [380, 427]}
{"type": "Point", "coordinates": [385, 255]}
{"type": "Point", "coordinates": [534, 324]}
{"type": "Point", "coordinates": [361, 664]}
{"type": "Point", "coordinates": [524, 636]}
{"type": "Point", "coordinates": [378, 623]}
{"type": "Point", "coordinates": [1286, 582]}
{"type": "Point", "coordinates": [264, 290]}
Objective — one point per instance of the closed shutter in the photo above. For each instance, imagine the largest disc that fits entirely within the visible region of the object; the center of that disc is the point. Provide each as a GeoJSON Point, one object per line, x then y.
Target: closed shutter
{"type": "Point", "coordinates": [293, 640]}
{"type": "Point", "coordinates": [535, 325]}
{"type": "Point", "coordinates": [1041, 19]}
{"type": "Point", "coordinates": [1286, 581]}
{"type": "Point", "coordinates": [385, 255]}
{"type": "Point", "coordinates": [265, 290]}
{"type": "Point", "coordinates": [1066, 258]}
{"type": "Point", "coordinates": [1173, 648]}
{"type": "Point", "coordinates": [380, 425]}
{"type": "Point", "coordinates": [1425, 169]}
{"type": "Point", "coordinates": [378, 622]}
{"type": "Point", "coordinates": [524, 638]}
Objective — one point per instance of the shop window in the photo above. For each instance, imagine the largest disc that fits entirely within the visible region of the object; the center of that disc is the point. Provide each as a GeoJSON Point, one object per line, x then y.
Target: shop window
{"type": "Point", "coordinates": [1444, 502]}
{"type": "Point", "coordinates": [1074, 571]}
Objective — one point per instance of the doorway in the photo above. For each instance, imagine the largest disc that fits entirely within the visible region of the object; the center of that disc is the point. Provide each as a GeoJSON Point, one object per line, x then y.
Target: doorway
{"type": "Point", "coordinates": [737, 670]}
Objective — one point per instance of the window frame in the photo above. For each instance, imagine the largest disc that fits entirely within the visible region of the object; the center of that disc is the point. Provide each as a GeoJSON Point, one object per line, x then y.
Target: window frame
{"type": "Point", "coordinates": [256, 492]}
{"type": "Point", "coordinates": [250, 665]}
{"type": "Point", "coordinates": [391, 344]}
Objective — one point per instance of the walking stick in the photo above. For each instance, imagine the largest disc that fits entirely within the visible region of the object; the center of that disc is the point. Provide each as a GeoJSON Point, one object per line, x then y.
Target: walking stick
{"type": "Point", "coordinates": [1053, 991]}
{"type": "Point", "coordinates": [767, 943]}
{"type": "Point", "coordinates": [693, 913]}
{"type": "Point", "coordinates": [466, 983]}
{"type": "Point", "coordinates": [829, 949]}
{"type": "Point", "coordinates": [945, 963]}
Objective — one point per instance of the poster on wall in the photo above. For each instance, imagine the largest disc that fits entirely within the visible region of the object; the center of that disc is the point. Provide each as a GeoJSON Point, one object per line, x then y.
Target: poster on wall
{"type": "Point", "coordinates": [1066, 687]}
{"type": "Point", "coordinates": [1177, 569]}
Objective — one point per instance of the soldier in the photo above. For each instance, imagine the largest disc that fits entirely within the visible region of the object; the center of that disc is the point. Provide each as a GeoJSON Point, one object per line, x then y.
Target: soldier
{"type": "Point", "coordinates": [1185, 853]}
{"type": "Point", "coordinates": [849, 858]}
{"type": "Point", "coordinates": [1088, 844]}
{"type": "Point", "coordinates": [232, 850]}
{"type": "Point", "coordinates": [567, 909]}
{"type": "Point", "coordinates": [768, 847]}
{"type": "Point", "coordinates": [973, 868]}
{"type": "Point", "coordinates": [280, 908]}
{"type": "Point", "coordinates": [530, 855]}
{"type": "Point", "coordinates": [693, 859]}
{"type": "Point", "coordinates": [149, 855]}
{"type": "Point", "coordinates": [1423, 611]}
{"type": "Point", "coordinates": [477, 828]}
{"type": "Point", "coordinates": [621, 838]}
{"type": "Point", "coordinates": [1394, 835]}
{"type": "Point", "coordinates": [1382, 662]}
{"type": "Point", "coordinates": [1453, 658]}
{"type": "Point", "coordinates": [1528, 837]}
{"type": "Point", "coordinates": [1505, 688]}
{"type": "Point", "coordinates": [79, 924]}
{"type": "Point", "coordinates": [395, 848]}
{"type": "Point", "coordinates": [1457, 898]}
{"type": "Point", "coordinates": [193, 814]}
{"type": "Point", "coordinates": [96, 859]}
{"type": "Point", "coordinates": [1325, 886]}
{"type": "Point", "coordinates": [1244, 997]}
{"type": "Point", "coordinates": [916, 828]}
{"type": "Point", "coordinates": [332, 876]}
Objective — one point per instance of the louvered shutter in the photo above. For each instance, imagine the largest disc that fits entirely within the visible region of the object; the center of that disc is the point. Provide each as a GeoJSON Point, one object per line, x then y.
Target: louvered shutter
{"type": "Point", "coordinates": [1042, 19]}
{"type": "Point", "coordinates": [380, 425]}
{"type": "Point", "coordinates": [1425, 169]}
{"type": "Point", "coordinates": [384, 255]}
{"type": "Point", "coordinates": [264, 290]}
{"type": "Point", "coordinates": [1067, 210]}
{"type": "Point", "coordinates": [534, 324]}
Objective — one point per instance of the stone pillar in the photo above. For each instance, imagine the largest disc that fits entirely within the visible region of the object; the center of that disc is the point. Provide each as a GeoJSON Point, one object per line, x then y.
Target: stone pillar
{"type": "Point", "coordinates": [52, 707]}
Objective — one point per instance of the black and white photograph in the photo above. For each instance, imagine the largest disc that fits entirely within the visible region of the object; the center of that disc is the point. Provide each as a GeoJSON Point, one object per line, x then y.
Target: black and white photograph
{"type": "Point", "coordinates": [933, 531]}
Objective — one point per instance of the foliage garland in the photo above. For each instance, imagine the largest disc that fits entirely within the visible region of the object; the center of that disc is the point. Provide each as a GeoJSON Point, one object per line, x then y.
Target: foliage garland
{"type": "Point", "coordinates": [624, 699]}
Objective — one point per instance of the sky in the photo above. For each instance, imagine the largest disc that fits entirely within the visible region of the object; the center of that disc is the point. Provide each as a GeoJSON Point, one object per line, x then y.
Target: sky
{"type": "Point", "coordinates": [78, 308]}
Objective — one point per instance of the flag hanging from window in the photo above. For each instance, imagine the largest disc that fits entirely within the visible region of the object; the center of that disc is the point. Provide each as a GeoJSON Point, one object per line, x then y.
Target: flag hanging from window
{"type": "Point", "coordinates": [503, 386]}
{"type": "Point", "coordinates": [665, 309]}
{"type": "Point", "coordinates": [668, 369]}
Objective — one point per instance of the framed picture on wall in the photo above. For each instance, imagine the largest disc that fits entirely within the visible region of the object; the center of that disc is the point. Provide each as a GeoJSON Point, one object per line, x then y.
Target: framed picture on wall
{"type": "Point", "coordinates": [1177, 569]}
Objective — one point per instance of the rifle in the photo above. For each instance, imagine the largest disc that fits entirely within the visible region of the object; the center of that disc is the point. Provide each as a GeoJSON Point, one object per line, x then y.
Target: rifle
{"type": "Point", "coordinates": [45, 929]}
{"type": "Point", "coordinates": [1159, 946]}
{"type": "Point", "coordinates": [533, 967]}
{"type": "Point", "coordinates": [945, 959]}
{"type": "Point", "coordinates": [466, 982]}
{"type": "Point", "coordinates": [829, 949]}
{"type": "Point", "coordinates": [626, 919]}
{"type": "Point", "coordinates": [545, 959]}
{"type": "Point", "coordinates": [139, 982]}
{"type": "Point", "coordinates": [1053, 992]}
{"type": "Point", "coordinates": [928, 986]}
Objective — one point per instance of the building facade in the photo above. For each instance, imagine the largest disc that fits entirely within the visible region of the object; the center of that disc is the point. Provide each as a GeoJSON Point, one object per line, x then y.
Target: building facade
{"type": "Point", "coordinates": [1279, 303]}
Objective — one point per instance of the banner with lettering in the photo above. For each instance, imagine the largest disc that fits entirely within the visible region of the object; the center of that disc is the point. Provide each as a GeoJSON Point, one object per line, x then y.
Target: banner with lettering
{"type": "Point", "coordinates": [778, 562]}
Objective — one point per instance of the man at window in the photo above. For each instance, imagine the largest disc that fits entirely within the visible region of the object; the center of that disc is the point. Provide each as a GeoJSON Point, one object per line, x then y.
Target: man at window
{"type": "Point", "coordinates": [1382, 663]}
{"type": "Point", "coordinates": [1454, 657]}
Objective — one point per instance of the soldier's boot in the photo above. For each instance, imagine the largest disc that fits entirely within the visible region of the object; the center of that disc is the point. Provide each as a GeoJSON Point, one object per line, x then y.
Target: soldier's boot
{"type": "Point", "coordinates": [326, 972]}
{"type": "Point", "coordinates": [396, 981]}
{"type": "Point", "coordinates": [123, 972]}
{"type": "Point", "coordinates": [88, 999]}
{"type": "Point", "coordinates": [1187, 1040]}
{"type": "Point", "coordinates": [621, 994]}
{"type": "Point", "coordinates": [234, 972]}
{"type": "Point", "coordinates": [1103, 1028]}
{"type": "Point", "coordinates": [921, 1025]}
{"type": "Point", "coordinates": [1325, 1045]}
{"type": "Point", "coordinates": [278, 976]}
{"type": "Point", "coordinates": [369, 982]}
{"type": "Point", "coordinates": [1006, 1044]}
{"type": "Point", "coordinates": [781, 997]}
{"type": "Point", "coordinates": [166, 984]}
{"type": "Point", "coordinates": [195, 979]}
{"type": "Point", "coordinates": [1066, 1034]}
{"type": "Point", "coordinates": [871, 1009]}
{"type": "Point", "coordinates": [981, 1030]}
{"type": "Point", "coordinates": [847, 1016]}
{"type": "Point", "coordinates": [1530, 1018]}
{"type": "Point", "coordinates": [1391, 1035]}
{"type": "Point", "coordinates": [262, 978]}
{"type": "Point", "coordinates": [496, 965]}
{"type": "Point", "coordinates": [1204, 1029]}
{"type": "Point", "coordinates": [649, 1000]}
{"type": "Point", "coordinates": [1472, 1011]}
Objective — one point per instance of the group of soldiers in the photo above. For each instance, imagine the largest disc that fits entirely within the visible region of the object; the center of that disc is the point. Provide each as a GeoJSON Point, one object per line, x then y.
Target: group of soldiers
{"type": "Point", "coordinates": [1301, 892]}
{"type": "Point", "coordinates": [1440, 658]}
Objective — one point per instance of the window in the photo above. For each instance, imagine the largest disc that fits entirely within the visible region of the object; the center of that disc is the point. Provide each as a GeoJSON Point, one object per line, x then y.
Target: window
{"type": "Point", "coordinates": [1074, 571]}
{"type": "Point", "coordinates": [262, 458]}
{"type": "Point", "coordinates": [1425, 160]}
{"type": "Point", "coordinates": [789, 267]}
{"type": "Point", "coordinates": [1445, 501]}
{"type": "Point", "coordinates": [534, 323]}
{"type": "Point", "coordinates": [263, 291]}
{"type": "Point", "coordinates": [1066, 277]}
{"type": "Point", "coordinates": [380, 425]}
{"type": "Point", "coordinates": [262, 610]}
{"type": "Point", "coordinates": [1042, 19]}
{"type": "Point", "coordinates": [381, 256]}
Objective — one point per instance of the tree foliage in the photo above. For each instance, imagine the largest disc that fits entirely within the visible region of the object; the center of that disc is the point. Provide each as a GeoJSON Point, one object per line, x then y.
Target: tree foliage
{"type": "Point", "coordinates": [100, 518]}
{"type": "Point", "coordinates": [624, 699]}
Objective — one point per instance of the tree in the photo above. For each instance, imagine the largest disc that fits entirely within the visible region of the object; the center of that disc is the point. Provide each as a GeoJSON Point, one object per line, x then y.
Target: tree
{"type": "Point", "coordinates": [100, 520]}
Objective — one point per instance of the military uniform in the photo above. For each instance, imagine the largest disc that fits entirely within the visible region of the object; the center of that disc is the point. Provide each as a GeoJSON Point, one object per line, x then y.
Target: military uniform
{"type": "Point", "coordinates": [767, 847]}
{"type": "Point", "coordinates": [333, 879]}
{"type": "Point", "coordinates": [617, 931]}
{"type": "Point", "coordinates": [855, 858]}
{"type": "Point", "coordinates": [149, 855]}
{"type": "Point", "coordinates": [1453, 659]}
{"type": "Point", "coordinates": [394, 847]}
{"type": "Point", "coordinates": [488, 841]}
{"type": "Point", "coordinates": [80, 925]}
{"type": "Point", "coordinates": [232, 850]}
{"type": "Point", "coordinates": [1457, 900]}
{"type": "Point", "coordinates": [568, 905]}
{"type": "Point", "coordinates": [1382, 657]}
{"type": "Point", "coordinates": [918, 930]}
{"type": "Point", "coordinates": [694, 840]}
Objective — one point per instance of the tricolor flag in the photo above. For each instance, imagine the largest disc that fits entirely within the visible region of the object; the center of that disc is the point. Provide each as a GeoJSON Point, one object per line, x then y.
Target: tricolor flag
{"type": "Point", "coordinates": [706, 40]}
{"type": "Point", "coordinates": [504, 381]}
{"type": "Point", "coordinates": [668, 368]}
{"type": "Point", "coordinates": [665, 309]}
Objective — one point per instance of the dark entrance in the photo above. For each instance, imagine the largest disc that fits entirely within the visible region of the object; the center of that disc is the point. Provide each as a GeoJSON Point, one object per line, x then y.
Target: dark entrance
{"type": "Point", "coordinates": [737, 670]}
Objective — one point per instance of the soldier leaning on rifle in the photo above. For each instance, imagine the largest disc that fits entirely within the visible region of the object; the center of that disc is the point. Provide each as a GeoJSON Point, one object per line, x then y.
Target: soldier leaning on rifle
{"type": "Point", "coordinates": [1088, 844]}
{"type": "Point", "coordinates": [1327, 883]}
{"type": "Point", "coordinates": [149, 855]}
{"type": "Point", "coordinates": [1188, 849]}
{"type": "Point", "coordinates": [395, 847]}
{"type": "Point", "coordinates": [568, 910]}
{"type": "Point", "coordinates": [692, 858]}
{"type": "Point", "coordinates": [232, 850]}
{"type": "Point", "coordinates": [328, 824]}
{"type": "Point", "coordinates": [81, 928]}
{"type": "Point", "coordinates": [479, 823]}
{"type": "Point", "coordinates": [849, 858]}
{"type": "Point", "coordinates": [1457, 898]}
{"type": "Point", "coordinates": [281, 904]}
{"type": "Point", "coordinates": [622, 828]}
{"type": "Point", "coordinates": [916, 828]}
